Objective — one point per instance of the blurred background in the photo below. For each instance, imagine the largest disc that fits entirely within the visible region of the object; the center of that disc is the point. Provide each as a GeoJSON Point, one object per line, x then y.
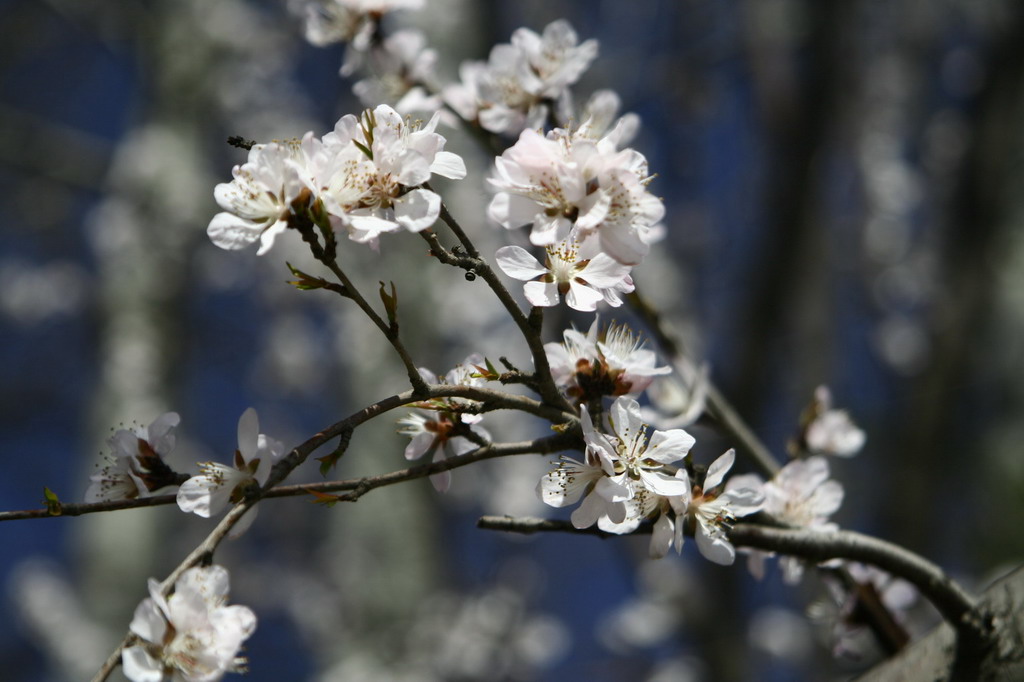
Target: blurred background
{"type": "Point", "coordinates": [845, 207]}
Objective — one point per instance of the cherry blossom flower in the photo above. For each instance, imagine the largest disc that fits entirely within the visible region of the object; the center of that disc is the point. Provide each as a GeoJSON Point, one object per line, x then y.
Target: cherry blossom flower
{"type": "Point", "coordinates": [190, 636]}
{"type": "Point", "coordinates": [219, 484]}
{"type": "Point", "coordinates": [403, 69]}
{"type": "Point", "coordinates": [829, 431]}
{"type": "Point", "coordinates": [623, 475]}
{"type": "Point", "coordinates": [570, 185]}
{"type": "Point", "coordinates": [713, 511]}
{"type": "Point", "coordinates": [800, 494]}
{"type": "Point", "coordinates": [136, 467]}
{"type": "Point", "coordinates": [521, 82]}
{"type": "Point", "coordinates": [441, 427]}
{"type": "Point", "coordinates": [350, 21]}
{"type": "Point", "coordinates": [258, 202]}
{"type": "Point", "coordinates": [613, 363]}
{"type": "Point", "coordinates": [369, 184]}
{"type": "Point", "coordinates": [584, 282]}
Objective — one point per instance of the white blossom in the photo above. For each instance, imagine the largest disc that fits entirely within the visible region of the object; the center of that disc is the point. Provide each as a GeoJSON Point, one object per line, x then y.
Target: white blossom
{"type": "Point", "coordinates": [258, 202]}
{"type": "Point", "coordinates": [583, 281]}
{"type": "Point", "coordinates": [569, 185]}
{"type": "Point", "coordinates": [369, 182]}
{"type": "Point", "coordinates": [624, 474]}
{"type": "Point", "coordinates": [831, 432]}
{"type": "Point", "coordinates": [522, 81]}
{"type": "Point", "coordinates": [613, 362]}
{"type": "Point", "coordinates": [441, 427]}
{"type": "Point", "coordinates": [190, 636]}
{"type": "Point", "coordinates": [349, 21]}
{"type": "Point", "coordinates": [800, 494]}
{"type": "Point", "coordinates": [714, 510]}
{"type": "Point", "coordinates": [219, 485]}
{"type": "Point", "coordinates": [403, 70]}
{"type": "Point", "coordinates": [136, 467]}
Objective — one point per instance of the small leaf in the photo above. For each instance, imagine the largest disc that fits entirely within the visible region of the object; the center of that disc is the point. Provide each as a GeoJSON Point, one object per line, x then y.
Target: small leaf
{"type": "Point", "coordinates": [327, 462]}
{"type": "Point", "coordinates": [325, 499]}
{"type": "Point", "coordinates": [53, 506]}
{"type": "Point", "coordinates": [364, 149]}
{"type": "Point", "coordinates": [305, 282]}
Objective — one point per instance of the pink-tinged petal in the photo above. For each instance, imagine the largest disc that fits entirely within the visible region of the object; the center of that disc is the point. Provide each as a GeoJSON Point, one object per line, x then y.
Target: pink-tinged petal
{"type": "Point", "coordinates": [582, 298]}
{"type": "Point", "coordinates": [417, 210]}
{"type": "Point", "coordinates": [448, 165]}
{"type": "Point", "coordinates": [139, 666]}
{"type": "Point", "coordinates": [541, 294]}
{"type": "Point", "coordinates": [419, 445]}
{"type": "Point", "coordinates": [230, 232]}
{"type": "Point", "coordinates": [248, 434]}
{"type": "Point", "coordinates": [714, 548]}
{"type": "Point", "coordinates": [518, 263]}
{"type": "Point", "coordinates": [718, 469]}
{"type": "Point", "coordinates": [662, 537]}
{"type": "Point", "coordinates": [148, 622]}
{"type": "Point", "coordinates": [441, 481]}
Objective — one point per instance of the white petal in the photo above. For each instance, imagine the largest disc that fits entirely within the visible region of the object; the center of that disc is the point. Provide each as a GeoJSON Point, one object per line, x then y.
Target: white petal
{"type": "Point", "coordinates": [586, 515]}
{"type": "Point", "coordinates": [448, 165]}
{"type": "Point", "coordinates": [669, 446]}
{"type": "Point", "coordinates": [139, 666]}
{"type": "Point", "coordinates": [230, 232]}
{"type": "Point", "coordinates": [417, 210]}
{"type": "Point", "coordinates": [419, 445]}
{"type": "Point", "coordinates": [718, 469]}
{"type": "Point", "coordinates": [716, 549]}
{"type": "Point", "coordinates": [248, 433]}
{"type": "Point", "coordinates": [668, 486]}
{"type": "Point", "coordinates": [603, 271]}
{"type": "Point", "coordinates": [582, 298]}
{"type": "Point", "coordinates": [148, 622]}
{"type": "Point", "coordinates": [541, 294]}
{"type": "Point", "coordinates": [518, 263]}
{"type": "Point", "coordinates": [661, 537]}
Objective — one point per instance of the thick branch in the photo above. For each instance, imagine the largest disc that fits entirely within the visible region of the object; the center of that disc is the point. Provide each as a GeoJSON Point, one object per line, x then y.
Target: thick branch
{"type": "Point", "coordinates": [951, 600]}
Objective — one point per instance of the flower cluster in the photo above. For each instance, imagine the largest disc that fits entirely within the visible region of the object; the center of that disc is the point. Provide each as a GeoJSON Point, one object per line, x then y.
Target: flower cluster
{"type": "Point", "coordinates": [523, 84]}
{"type": "Point", "coordinates": [588, 206]}
{"type": "Point", "coordinates": [442, 427]}
{"type": "Point", "coordinates": [612, 363]}
{"type": "Point", "coordinates": [190, 636]}
{"type": "Point", "coordinates": [351, 21]}
{"type": "Point", "coordinates": [363, 179]}
{"type": "Point", "coordinates": [626, 479]}
{"type": "Point", "coordinates": [136, 467]}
